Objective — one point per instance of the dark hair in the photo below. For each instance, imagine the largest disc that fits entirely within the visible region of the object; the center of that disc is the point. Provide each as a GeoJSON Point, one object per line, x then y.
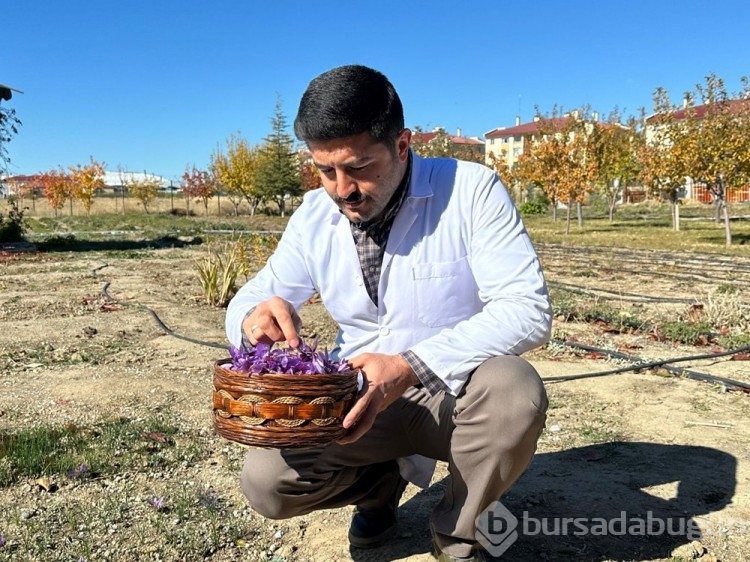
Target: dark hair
{"type": "Point", "coordinates": [347, 101]}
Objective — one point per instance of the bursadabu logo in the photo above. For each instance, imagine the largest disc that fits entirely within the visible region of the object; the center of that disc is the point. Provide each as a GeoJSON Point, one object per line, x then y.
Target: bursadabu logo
{"type": "Point", "coordinates": [496, 529]}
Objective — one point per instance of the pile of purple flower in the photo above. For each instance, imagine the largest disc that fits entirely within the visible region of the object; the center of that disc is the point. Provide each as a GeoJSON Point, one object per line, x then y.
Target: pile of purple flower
{"type": "Point", "coordinates": [304, 360]}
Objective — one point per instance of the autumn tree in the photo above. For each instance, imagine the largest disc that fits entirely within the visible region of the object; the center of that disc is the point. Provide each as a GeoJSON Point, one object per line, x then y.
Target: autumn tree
{"type": "Point", "coordinates": [507, 175]}
{"type": "Point", "coordinates": [235, 170]}
{"type": "Point", "coordinates": [615, 150]}
{"type": "Point", "coordinates": [200, 185]}
{"type": "Point", "coordinates": [24, 188]}
{"type": "Point", "coordinates": [278, 165]}
{"type": "Point", "coordinates": [716, 143]}
{"type": "Point", "coordinates": [145, 188]}
{"type": "Point", "coordinates": [560, 158]}
{"type": "Point", "coordinates": [540, 165]}
{"type": "Point", "coordinates": [57, 188]}
{"type": "Point", "coordinates": [309, 176]}
{"type": "Point", "coordinates": [85, 182]}
{"type": "Point", "coordinates": [661, 157]}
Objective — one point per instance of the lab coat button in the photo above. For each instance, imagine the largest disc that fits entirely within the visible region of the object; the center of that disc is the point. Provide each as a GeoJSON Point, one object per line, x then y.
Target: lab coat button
{"type": "Point", "coordinates": [384, 331]}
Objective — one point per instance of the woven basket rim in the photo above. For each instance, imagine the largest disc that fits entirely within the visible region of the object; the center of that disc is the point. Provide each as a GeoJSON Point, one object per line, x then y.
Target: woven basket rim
{"type": "Point", "coordinates": [281, 410]}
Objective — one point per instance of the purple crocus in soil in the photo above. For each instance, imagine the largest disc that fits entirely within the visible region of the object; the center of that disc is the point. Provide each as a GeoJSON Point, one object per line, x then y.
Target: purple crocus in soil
{"type": "Point", "coordinates": [304, 360]}
{"type": "Point", "coordinates": [78, 472]}
{"type": "Point", "coordinates": [2, 540]}
{"type": "Point", "coordinates": [156, 502]}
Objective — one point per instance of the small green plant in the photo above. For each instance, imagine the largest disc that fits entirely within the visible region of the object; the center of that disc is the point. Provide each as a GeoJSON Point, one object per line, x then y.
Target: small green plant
{"type": "Point", "coordinates": [569, 307]}
{"type": "Point", "coordinates": [726, 289]}
{"type": "Point", "coordinates": [687, 333]}
{"type": "Point", "coordinates": [734, 341]}
{"type": "Point", "coordinates": [219, 270]}
{"type": "Point", "coordinates": [536, 206]}
{"type": "Point", "coordinates": [12, 224]}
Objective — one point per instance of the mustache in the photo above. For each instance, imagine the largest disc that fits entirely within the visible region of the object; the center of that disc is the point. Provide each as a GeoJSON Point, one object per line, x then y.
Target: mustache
{"type": "Point", "coordinates": [354, 197]}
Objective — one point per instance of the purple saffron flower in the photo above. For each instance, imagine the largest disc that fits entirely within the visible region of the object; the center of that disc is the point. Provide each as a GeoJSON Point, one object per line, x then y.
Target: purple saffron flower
{"type": "Point", "coordinates": [2, 540]}
{"type": "Point", "coordinates": [306, 360]}
{"type": "Point", "coordinates": [79, 472]}
{"type": "Point", "coordinates": [209, 498]}
{"type": "Point", "coordinates": [156, 503]}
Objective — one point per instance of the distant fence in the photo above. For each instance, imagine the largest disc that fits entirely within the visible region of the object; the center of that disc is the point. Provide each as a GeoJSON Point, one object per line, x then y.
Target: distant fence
{"type": "Point", "coordinates": [704, 195]}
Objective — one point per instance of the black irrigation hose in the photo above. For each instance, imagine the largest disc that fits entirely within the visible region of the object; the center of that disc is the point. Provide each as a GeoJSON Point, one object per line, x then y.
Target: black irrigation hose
{"type": "Point", "coordinates": [716, 262]}
{"type": "Point", "coordinates": [640, 364]}
{"type": "Point", "coordinates": [166, 329]}
{"type": "Point", "coordinates": [621, 294]}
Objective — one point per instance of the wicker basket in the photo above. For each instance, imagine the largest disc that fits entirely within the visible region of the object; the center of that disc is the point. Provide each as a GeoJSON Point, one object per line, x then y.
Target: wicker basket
{"type": "Point", "coordinates": [281, 411]}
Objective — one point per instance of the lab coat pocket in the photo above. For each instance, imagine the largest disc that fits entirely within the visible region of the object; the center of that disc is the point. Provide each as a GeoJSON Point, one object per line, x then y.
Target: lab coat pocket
{"type": "Point", "coordinates": [445, 292]}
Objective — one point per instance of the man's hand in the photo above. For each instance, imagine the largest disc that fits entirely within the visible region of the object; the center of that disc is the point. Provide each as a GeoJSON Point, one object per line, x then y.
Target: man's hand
{"type": "Point", "coordinates": [271, 321]}
{"type": "Point", "coordinates": [386, 378]}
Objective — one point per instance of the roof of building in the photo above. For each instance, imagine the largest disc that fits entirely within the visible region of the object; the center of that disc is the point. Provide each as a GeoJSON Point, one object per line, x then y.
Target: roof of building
{"type": "Point", "coordinates": [427, 137]}
{"type": "Point", "coordinates": [523, 128]}
{"type": "Point", "coordinates": [120, 178]}
{"type": "Point", "coordinates": [699, 111]}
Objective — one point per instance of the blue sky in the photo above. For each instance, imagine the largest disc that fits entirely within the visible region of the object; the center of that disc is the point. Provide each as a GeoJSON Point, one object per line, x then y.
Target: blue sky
{"type": "Point", "coordinates": [158, 85]}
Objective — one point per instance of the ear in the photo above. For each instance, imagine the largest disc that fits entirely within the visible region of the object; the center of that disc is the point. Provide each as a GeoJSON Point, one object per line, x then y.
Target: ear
{"type": "Point", "coordinates": [402, 145]}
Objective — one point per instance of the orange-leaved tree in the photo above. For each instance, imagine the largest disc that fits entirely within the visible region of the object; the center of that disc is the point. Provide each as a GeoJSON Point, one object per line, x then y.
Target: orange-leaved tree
{"type": "Point", "coordinates": [57, 188]}
{"type": "Point", "coordinates": [198, 184]}
{"type": "Point", "coordinates": [560, 158]}
{"type": "Point", "coordinates": [717, 143]}
{"type": "Point", "coordinates": [661, 158]}
{"type": "Point", "coordinates": [509, 176]}
{"type": "Point", "coordinates": [86, 181]}
{"type": "Point", "coordinates": [309, 176]}
{"type": "Point", "coordinates": [615, 147]}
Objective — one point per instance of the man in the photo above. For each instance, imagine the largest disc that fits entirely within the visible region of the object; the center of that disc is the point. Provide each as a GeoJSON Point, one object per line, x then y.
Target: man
{"type": "Point", "coordinates": [436, 288]}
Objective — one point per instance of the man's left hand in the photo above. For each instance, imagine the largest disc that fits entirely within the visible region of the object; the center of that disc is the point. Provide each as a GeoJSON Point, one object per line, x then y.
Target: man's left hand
{"type": "Point", "coordinates": [386, 378]}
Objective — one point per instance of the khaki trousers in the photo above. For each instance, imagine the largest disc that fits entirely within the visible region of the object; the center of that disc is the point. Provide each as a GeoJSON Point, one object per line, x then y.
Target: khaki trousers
{"type": "Point", "coordinates": [487, 435]}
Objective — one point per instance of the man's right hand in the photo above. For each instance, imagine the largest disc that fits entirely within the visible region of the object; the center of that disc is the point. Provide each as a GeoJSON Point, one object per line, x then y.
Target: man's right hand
{"type": "Point", "coordinates": [271, 321]}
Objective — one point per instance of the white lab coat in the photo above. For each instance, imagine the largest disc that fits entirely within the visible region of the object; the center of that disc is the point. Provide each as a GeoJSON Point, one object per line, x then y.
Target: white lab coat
{"type": "Point", "coordinates": [460, 281]}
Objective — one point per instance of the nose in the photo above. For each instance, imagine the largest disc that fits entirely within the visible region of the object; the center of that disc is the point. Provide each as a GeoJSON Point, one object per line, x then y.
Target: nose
{"type": "Point", "coordinates": [345, 184]}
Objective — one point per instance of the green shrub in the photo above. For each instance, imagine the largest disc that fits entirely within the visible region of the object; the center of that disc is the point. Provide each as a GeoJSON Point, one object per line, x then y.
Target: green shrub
{"type": "Point", "coordinates": [734, 341]}
{"type": "Point", "coordinates": [12, 225]}
{"type": "Point", "coordinates": [687, 333]}
{"type": "Point", "coordinates": [534, 207]}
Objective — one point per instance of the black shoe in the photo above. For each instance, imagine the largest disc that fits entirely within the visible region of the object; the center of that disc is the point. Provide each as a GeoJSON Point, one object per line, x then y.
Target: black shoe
{"type": "Point", "coordinates": [373, 525]}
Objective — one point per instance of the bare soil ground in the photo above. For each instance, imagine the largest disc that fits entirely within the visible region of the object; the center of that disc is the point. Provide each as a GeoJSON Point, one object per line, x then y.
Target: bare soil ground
{"type": "Point", "coordinates": [646, 444]}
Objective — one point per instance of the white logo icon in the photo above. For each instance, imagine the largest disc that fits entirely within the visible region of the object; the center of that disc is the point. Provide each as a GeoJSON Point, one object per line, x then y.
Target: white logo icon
{"type": "Point", "coordinates": [496, 529]}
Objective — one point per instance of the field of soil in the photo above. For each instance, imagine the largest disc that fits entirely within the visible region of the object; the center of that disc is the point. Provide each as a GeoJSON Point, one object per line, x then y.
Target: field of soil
{"type": "Point", "coordinates": [79, 344]}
